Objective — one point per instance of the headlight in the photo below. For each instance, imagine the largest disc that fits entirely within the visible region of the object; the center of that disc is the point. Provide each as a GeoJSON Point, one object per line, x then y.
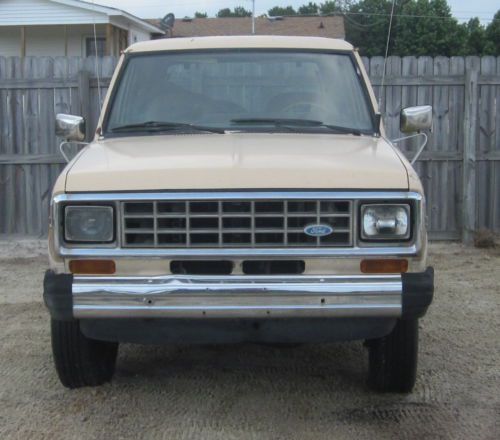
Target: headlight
{"type": "Point", "coordinates": [88, 224]}
{"type": "Point", "coordinates": [385, 222]}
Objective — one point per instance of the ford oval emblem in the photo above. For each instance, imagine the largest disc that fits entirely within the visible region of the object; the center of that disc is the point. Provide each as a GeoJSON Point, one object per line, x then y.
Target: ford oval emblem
{"type": "Point", "coordinates": [318, 230]}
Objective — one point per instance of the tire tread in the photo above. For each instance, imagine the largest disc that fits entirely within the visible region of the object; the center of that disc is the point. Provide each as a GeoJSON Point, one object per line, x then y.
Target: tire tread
{"type": "Point", "coordinates": [81, 361]}
{"type": "Point", "coordinates": [393, 359]}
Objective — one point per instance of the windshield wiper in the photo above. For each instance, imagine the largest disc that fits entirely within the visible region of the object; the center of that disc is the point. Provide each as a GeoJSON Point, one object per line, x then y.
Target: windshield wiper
{"type": "Point", "coordinates": [165, 126]}
{"type": "Point", "coordinates": [294, 123]}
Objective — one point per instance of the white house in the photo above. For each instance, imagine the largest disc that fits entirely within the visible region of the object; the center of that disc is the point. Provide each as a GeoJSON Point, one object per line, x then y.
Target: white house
{"type": "Point", "coordinates": [66, 28]}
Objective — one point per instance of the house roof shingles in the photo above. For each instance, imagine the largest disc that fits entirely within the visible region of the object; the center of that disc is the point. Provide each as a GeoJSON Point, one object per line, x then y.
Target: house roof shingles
{"type": "Point", "coordinates": [313, 26]}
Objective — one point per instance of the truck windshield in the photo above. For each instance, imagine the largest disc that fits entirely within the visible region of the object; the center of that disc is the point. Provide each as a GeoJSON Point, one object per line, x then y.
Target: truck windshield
{"type": "Point", "coordinates": [239, 90]}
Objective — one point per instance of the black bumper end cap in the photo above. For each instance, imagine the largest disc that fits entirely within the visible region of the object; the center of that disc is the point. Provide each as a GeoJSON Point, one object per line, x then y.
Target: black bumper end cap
{"type": "Point", "coordinates": [58, 295]}
{"type": "Point", "coordinates": [418, 292]}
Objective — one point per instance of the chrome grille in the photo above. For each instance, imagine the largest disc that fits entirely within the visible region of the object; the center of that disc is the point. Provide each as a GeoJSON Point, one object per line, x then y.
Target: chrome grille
{"type": "Point", "coordinates": [234, 223]}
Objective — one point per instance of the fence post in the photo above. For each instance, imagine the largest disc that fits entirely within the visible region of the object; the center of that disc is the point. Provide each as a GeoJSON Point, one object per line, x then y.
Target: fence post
{"type": "Point", "coordinates": [84, 95]}
{"type": "Point", "coordinates": [469, 217]}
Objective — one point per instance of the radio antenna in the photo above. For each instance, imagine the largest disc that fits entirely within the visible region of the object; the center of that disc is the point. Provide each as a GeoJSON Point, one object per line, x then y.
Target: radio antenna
{"type": "Point", "coordinates": [385, 58]}
{"type": "Point", "coordinates": [99, 104]}
{"type": "Point", "coordinates": [253, 17]}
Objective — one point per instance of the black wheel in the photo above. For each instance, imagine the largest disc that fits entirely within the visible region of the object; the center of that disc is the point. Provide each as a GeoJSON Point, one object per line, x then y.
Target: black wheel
{"type": "Point", "coordinates": [81, 361]}
{"type": "Point", "coordinates": [393, 359]}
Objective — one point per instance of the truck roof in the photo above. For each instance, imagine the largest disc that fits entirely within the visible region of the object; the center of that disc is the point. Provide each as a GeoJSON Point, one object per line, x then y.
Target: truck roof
{"type": "Point", "coordinates": [241, 42]}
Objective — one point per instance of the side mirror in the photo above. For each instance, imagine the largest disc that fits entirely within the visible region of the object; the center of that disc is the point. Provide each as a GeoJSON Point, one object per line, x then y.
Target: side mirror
{"type": "Point", "coordinates": [71, 128]}
{"type": "Point", "coordinates": [414, 119]}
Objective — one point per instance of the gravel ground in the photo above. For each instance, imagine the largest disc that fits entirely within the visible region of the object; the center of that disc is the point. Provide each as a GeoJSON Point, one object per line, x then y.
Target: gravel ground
{"type": "Point", "coordinates": [253, 391]}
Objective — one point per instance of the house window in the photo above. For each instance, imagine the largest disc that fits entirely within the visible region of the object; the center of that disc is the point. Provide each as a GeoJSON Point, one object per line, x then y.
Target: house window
{"type": "Point", "coordinates": [90, 46]}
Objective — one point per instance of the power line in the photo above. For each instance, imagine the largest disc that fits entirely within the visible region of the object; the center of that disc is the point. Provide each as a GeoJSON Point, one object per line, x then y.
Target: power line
{"type": "Point", "coordinates": [363, 25]}
{"type": "Point", "coordinates": [377, 14]}
{"type": "Point", "coordinates": [439, 17]}
{"type": "Point", "coordinates": [443, 17]}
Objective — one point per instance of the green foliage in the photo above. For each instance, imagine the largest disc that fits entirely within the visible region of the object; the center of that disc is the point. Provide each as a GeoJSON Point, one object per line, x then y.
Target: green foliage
{"type": "Point", "coordinates": [325, 8]}
{"type": "Point", "coordinates": [309, 9]}
{"type": "Point", "coordinates": [330, 7]}
{"type": "Point", "coordinates": [223, 13]}
{"type": "Point", "coordinates": [476, 37]}
{"type": "Point", "coordinates": [238, 11]}
{"type": "Point", "coordinates": [366, 31]}
{"type": "Point", "coordinates": [420, 27]}
{"type": "Point", "coordinates": [426, 27]}
{"type": "Point", "coordinates": [200, 14]}
{"type": "Point", "coordinates": [493, 36]}
{"type": "Point", "coordinates": [279, 11]}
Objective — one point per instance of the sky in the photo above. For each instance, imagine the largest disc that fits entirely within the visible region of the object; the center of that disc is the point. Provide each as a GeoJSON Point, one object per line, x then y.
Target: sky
{"type": "Point", "coordinates": [462, 9]}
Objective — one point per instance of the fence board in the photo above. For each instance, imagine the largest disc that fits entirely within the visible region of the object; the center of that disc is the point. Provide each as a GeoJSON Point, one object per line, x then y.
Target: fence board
{"type": "Point", "coordinates": [455, 141]}
{"type": "Point", "coordinates": [495, 181]}
{"type": "Point", "coordinates": [4, 133]}
{"type": "Point", "coordinates": [34, 89]}
{"type": "Point", "coordinates": [488, 201]}
{"type": "Point", "coordinates": [444, 170]}
{"type": "Point", "coordinates": [470, 130]}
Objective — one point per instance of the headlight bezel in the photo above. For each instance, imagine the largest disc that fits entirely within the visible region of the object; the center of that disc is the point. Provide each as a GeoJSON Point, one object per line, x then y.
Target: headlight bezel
{"type": "Point", "coordinates": [80, 243]}
{"type": "Point", "coordinates": [409, 207]}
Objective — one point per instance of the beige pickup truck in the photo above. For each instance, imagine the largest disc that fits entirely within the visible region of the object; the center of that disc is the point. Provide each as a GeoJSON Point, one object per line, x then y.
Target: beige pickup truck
{"type": "Point", "coordinates": [238, 189]}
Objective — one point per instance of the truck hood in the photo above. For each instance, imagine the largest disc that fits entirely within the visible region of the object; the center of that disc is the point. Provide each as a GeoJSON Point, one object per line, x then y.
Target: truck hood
{"type": "Point", "coordinates": [237, 161]}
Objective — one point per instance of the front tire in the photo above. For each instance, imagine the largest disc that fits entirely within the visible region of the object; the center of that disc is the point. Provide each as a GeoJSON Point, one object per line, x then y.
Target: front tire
{"type": "Point", "coordinates": [81, 361]}
{"type": "Point", "coordinates": [393, 359]}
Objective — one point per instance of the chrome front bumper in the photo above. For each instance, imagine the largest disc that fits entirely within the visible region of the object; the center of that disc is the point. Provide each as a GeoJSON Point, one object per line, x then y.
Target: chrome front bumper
{"type": "Point", "coordinates": [237, 296]}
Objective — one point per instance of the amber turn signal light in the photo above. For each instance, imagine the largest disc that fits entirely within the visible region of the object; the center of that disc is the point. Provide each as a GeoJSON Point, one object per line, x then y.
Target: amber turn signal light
{"type": "Point", "coordinates": [384, 266]}
{"type": "Point", "coordinates": [92, 267]}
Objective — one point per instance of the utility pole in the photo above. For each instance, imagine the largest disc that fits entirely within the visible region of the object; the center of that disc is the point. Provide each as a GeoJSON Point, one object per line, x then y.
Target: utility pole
{"type": "Point", "coordinates": [253, 17]}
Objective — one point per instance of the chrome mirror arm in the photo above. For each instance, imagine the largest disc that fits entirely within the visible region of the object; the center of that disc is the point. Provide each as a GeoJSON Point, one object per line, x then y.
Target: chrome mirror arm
{"type": "Point", "coordinates": [64, 143]}
{"type": "Point", "coordinates": [420, 149]}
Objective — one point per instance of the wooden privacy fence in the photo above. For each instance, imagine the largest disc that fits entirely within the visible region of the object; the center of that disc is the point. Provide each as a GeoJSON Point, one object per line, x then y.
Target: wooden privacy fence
{"type": "Point", "coordinates": [460, 168]}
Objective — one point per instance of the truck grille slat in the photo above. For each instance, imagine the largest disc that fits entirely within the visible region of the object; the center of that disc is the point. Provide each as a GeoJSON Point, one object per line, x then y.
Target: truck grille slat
{"type": "Point", "coordinates": [235, 223]}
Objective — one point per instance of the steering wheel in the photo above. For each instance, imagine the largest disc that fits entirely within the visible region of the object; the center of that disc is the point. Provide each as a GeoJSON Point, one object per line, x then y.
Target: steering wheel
{"type": "Point", "coordinates": [310, 105]}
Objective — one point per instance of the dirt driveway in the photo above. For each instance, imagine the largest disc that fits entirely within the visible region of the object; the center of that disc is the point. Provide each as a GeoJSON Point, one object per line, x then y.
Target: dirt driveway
{"type": "Point", "coordinates": [259, 392]}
